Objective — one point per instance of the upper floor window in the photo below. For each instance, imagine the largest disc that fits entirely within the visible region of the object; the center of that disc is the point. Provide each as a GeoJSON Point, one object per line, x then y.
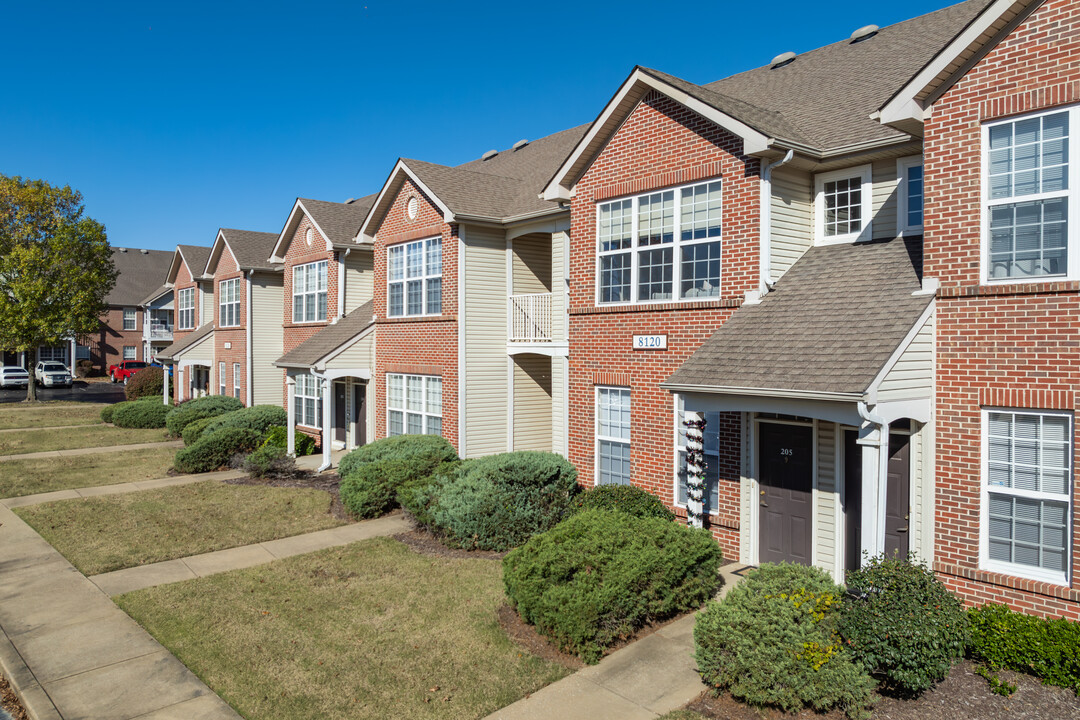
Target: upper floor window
{"type": "Point", "coordinates": [185, 309]}
{"type": "Point", "coordinates": [309, 292]}
{"type": "Point", "coordinates": [909, 210]}
{"type": "Point", "coordinates": [414, 278]}
{"type": "Point", "coordinates": [843, 205]}
{"type": "Point", "coordinates": [129, 318]}
{"type": "Point", "coordinates": [1026, 188]}
{"type": "Point", "coordinates": [660, 246]}
{"type": "Point", "coordinates": [229, 303]}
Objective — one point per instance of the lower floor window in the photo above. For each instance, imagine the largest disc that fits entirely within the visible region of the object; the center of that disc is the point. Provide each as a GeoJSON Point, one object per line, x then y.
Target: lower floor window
{"type": "Point", "coordinates": [236, 380]}
{"type": "Point", "coordinates": [413, 404]}
{"type": "Point", "coordinates": [307, 401]}
{"type": "Point", "coordinates": [222, 384]}
{"type": "Point", "coordinates": [712, 458]}
{"type": "Point", "coordinates": [129, 352]}
{"type": "Point", "coordinates": [613, 436]}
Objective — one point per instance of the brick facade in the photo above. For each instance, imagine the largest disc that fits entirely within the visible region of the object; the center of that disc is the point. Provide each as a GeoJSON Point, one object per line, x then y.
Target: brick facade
{"type": "Point", "coordinates": [230, 343]}
{"type": "Point", "coordinates": [1014, 346]}
{"type": "Point", "coordinates": [107, 344]}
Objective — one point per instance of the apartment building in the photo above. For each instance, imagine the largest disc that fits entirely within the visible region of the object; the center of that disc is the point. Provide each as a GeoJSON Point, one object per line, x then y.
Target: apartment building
{"type": "Point", "coordinates": [192, 351]}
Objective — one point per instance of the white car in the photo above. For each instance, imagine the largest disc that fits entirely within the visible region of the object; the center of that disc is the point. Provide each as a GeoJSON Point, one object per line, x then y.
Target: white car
{"type": "Point", "coordinates": [13, 376]}
{"type": "Point", "coordinates": [52, 374]}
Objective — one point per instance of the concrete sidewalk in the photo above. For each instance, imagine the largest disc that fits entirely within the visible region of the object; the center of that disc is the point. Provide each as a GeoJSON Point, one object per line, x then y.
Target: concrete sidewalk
{"type": "Point", "coordinates": [118, 488]}
{"type": "Point", "coordinates": [144, 576]}
{"type": "Point", "coordinates": [91, 450]}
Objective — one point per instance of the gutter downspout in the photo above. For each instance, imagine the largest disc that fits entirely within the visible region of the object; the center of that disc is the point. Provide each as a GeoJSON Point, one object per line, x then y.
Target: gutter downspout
{"type": "Point", "coordinates": [250, 393]}
{"type": "Point", "coordinates": [324, 384]}
{"type": "Point", "coordinates": [766, 220]}
{"type": "Point", "coordinates": [873, 482]}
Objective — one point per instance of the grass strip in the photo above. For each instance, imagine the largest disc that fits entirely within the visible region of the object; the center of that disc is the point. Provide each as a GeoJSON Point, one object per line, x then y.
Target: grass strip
{"type": "Point", "coordinates": [48, 415]}
{"type": "Point", "coordinates": [30, 477]}
{"type": "Point", "coordinates": [30, 441]}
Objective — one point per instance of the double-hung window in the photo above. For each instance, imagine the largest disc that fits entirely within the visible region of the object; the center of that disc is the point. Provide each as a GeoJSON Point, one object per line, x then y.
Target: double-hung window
{"type": "Point", "coordinates": [309, 292]}
{"type": "Point", "coordinates": [1026, 507]}
{"type": "Point", "coordinates": [185, 309]}
{"type": "Point", "coordinates": [414, 278]}
{"type": "Point", "coordinates": [413, 404]}
{"type": "Point", "coordinates": [711, 459]}
{"type": "Point", "coordinates": [222, 381]}
{"type": "Point", "coordinates": [661, 246]}
{"type": "Point", "coordinates": [843, 205]}
{"type": "Point", "coordinates": [129, 318]}
{"type": "Point", "coordinates": [1029, 176]}
{"type": "Point", "coordinates": [613, 436]}
{"type": "Point", "coordinates": [229, 303]}
{"type": "Point", "coordinates": [307, 401]}
{"type": "Point", "coordinates": [129, 352]}
{"type": "Point", "coordinates": [236, 380]}
{"type": "Point", "coordinates": [909, 216]}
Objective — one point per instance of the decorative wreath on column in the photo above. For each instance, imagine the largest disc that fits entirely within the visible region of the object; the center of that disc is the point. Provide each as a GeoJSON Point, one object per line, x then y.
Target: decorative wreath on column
{"type": "Point", "coordinates": [695, 468]}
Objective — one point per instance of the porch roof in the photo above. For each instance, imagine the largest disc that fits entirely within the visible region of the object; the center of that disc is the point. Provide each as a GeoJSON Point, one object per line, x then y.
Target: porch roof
{"type": "Point", "coordinates": [329, 339]}
{"type": "Point", "coordinates": [829, 327]}
{"type": "Point", "coordinates": [193, 338]}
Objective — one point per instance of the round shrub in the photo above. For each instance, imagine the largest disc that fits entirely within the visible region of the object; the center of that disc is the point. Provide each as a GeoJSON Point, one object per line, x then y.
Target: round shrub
{"type": "Point", "coordinates": [144, 383]}
{"type": "Point", "coordinates": [624, 498]}
{"type": "Point", "coordinates": [419, 495]}
{"type": "Point", "coordinates": [905, 627]}
{"type": "Point", "coordinates": [600, 575]}
{"type": "Point", "coordinates": [772, 641]}
{"type": "Point", "coordinates": [372, 474]}
{"type": "Point", "coordinates": [428, 449]}
{"type": "Point", "coordinates": [215, 450]}
{"type": "Point", "coordinates": [259, 418]}
{"type": "Point", "coordinates": [270, 461]}
{"type": "Point", "coordinates": [192, 410]}
{"type": "Point", "coordinates": [140, 414]}
{"type": "Point", "coordinates": [194, 430]}
{"type": "Point", "coordinates": [107, 413]}
{"type": "Point", "coordinates": [278, 436]}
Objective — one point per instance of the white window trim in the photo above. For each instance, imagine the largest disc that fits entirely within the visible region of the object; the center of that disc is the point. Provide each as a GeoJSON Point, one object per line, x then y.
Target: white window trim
{"type": "Point", "coordinates": [865, 173]}
{"type": "Point", "coordinates": [679, 408]}
{"type": "Point", "coordinates": [424, 277]}
{"type": "Point", "coordinates": [1014, 569]}
{"type": "Point", "coordinates": [134, 320]}
{"type": "Point", "coordinates": [236, 380]}
{"type": "Point", "coordinates": [903, 165]}
{"type": "Point", "coordinates": [1073, 239]}
{"type": "Point", "coordinates": [183, 307]}
{"type": "Point", "coordinates": [424, 414]}
{"type": "Point", "coordinates": [317, 397]}
{"type": "Point", "coordinates": [222, 384]}
{"type": "Point", "coordinates": [597, 437]}
{"type": "Point", "coordinates": [306, 293]}
{"type": "Point", "coordinates": [134, 353]}
{"type": "Point", "coordinates": [224, 303]}
{"type": "Point", "coordinates": [676, 245]}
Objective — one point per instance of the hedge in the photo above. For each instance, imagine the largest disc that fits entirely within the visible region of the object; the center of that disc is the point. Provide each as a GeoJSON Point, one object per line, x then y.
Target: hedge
{"type": "Point", "coordinates": [259, 418]}
{"type": "Point", "coordinates": [140, 414]}
{"type": "Point", "coordinates": [192, 410]}
{"type": "Point", "coordinates": [216, 450]}
{"type": "Point", "coordinates": [624, 498]}
{"type": "Point", "coordinates": [144, 383]}
{"type": "Point", "coordinates": [372, 474]}
{"type": "Point", "coordinates": [194, 430]}
{"type": "Point", "coordinates": [429, 449]}
{"type": "Point", "coordinates": [1048, 648]}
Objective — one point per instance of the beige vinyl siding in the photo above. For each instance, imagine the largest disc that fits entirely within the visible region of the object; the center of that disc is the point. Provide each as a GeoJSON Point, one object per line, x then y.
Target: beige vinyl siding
{"type": "Point", "coordinates": [266, 338]}
{"type": "Point", "coordinates": [358, 356]}
{"type": "Point", "coordinates": [359, 274]}
{"type": "Point", "coordinates": [912, 376]}
{"type": "Point", "coordinates": [531, 264]}
{"type": "Point", "coordinates": [748, 493]}
{"type": "Point", "coordinates": [208, 311]}
{"type": "Point", "coordinates": [559, 286]}
{"type": "Point", "coordinates": [532, 402]}
{"type": "Point", "coordinates": [883, 175]}
{"type": "Point", "coordinates": [827, 499]}
{"type": "Point", "coordinates": [792, 219]}
{"type": "Point", "coordinates": [486, 384]}
{"type": "Point", "coordinates": [559, 439]}
{"type": "Point", "coordinates": [918, 477]}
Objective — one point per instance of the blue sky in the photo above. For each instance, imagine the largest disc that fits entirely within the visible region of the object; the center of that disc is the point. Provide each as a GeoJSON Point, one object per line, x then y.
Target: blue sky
{"type": "Point", "coordinates": [176, 119]}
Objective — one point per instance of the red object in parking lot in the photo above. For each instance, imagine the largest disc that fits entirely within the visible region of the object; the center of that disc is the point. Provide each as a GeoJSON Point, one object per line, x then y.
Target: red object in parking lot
{"type": "Point", "coordinates": [125, 369]}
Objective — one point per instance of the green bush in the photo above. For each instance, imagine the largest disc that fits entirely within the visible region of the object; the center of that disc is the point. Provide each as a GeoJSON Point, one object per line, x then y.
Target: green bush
{"type": "Point", "coordinates": [600, 575]}
{"type": "Point", "coordinates": [194, 430]}
{"type": "Point", "coordinates": [270, 461]}
{"type": "Point", "coordinates": [372, 474]}
{"type": "Point", "coordinates": [216, 450]}
{"type": "Point", "coordinates": [145, 383]}
{"type": "Point", "coordinates": [906, 627]}
{"type": "Point", "coordinates": [278, 436]}
{"type": "Point", "coordinates": [1049, 649]}
{"type": "Point", "coordinates": [772, 641]}
{"type": "Point", "coordinates": [428, 449]}
{"type": "Point", "coordinates": [259, 418]}
{"type": "Point", "coordinates": [107, 413]}
{"type": "Point", "coordinates": [192, 410]}
{"type": "Point", "coordinates": [629, 499]}
{"type": "Point", "coordinates": [139, 414]}
{"type": "Point", "coordinates": [418, 496]}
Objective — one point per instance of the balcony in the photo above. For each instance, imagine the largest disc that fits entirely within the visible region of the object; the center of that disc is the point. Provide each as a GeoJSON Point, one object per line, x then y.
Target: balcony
{"type": "Point", "coordinates": [530, 318]}
{"type": "Point", "coordinates": [159, 331]}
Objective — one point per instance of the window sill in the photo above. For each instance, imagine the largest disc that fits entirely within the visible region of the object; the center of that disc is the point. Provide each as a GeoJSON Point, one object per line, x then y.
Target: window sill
{"type": "Point", "coordinates": [417, 318]}
{"type": "Point", "coordinates": [1037, 287]}
{"type": "Point", "coordinates": [663, 306]}
{"type": "Point", "coordinates": [1014, 582]}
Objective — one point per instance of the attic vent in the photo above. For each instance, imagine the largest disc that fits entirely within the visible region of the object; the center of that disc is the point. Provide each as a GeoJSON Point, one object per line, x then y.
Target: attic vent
{"type": "Point", "coordinates": [489, 154]}
{"type": "Point", "coordinates": [122, 249]}
{"type": "Point", "coordinates": [145, 252]}
{"type": "Point", "coordinates": [864, 33]}
{"type": "Point", "coordinates": [350, 201]}
{"type": "Point", "coordinates": [520, 144]}
{"type": "Point", "coordinates": [782, 59]}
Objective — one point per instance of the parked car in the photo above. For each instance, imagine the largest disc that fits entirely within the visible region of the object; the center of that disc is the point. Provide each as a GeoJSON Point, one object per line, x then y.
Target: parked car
{"type": "Point", "coordinates": [13, 376]}
{"type": "Point", "coordinates": [52, 374]}
{"type": "Point", "coordinates": [122, 371]}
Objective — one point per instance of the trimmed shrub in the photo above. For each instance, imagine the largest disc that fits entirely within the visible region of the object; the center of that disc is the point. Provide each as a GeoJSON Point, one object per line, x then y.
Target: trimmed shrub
{"type": "Point", "coordinates": [1002, 639]}
{"type": "Point", "coordinates": [417, 497]}
{"type": "Point", "coordinates": [215, 450]}
{"type": "Point", "coordinates": [259, 418]}
{"type": "Point", "coordinates": [428, 449]}
{"type": "Point", "coordinates": [107, 413]}
{"type": "Point", "coordinates": [270, 461]}
{"type": "Point", "coordinates": [772, 641]}
{"type": "Point", "coordinates": [278, 436]}
{"type": "Point", "coordinates": [145, 382]}
{"type": "Point", "coordinates": [194, 430]}
{"type": "Point", "coordinates": [629, 499]}
{"type": "Point", "coordinates": [500, 501]}
{"type": "Point", "coordinates": [905, 626]}
{"type": "Point", "coordinates": [600, 575]}
{"type": "Point", "coordinates": [140, 414]}
{"type": "Point", "coordinates": [372, 474]}
{"type": "Point", "coordinates": [192, 410]}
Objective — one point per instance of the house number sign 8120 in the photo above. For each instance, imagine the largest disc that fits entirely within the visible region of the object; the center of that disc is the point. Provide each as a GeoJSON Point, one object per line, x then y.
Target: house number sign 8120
{"type": "Point", "coordinates": [650, 342]}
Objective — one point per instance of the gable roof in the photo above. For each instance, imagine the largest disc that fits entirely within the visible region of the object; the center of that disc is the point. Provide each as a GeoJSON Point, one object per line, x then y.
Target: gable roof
{"type": "Point", "coordinates": [330, 338]}
{"type": "Point", "coordinates": [194, 256]}
{"type": "Point", "coordinates": [193, 338]}
{"type": "Point", "coordinates": [251, 249]}
{"type": "Point", "coordinates": [155, 294]}
{"type": "Point", "coordinates": [833, 321]}
{"type": "Point", "coordinates": [338, 223]}
{"type": "Point", "coordinates": [138, 273]}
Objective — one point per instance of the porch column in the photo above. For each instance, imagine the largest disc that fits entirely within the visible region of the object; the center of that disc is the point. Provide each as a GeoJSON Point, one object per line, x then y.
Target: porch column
{"type": "Point", "coordinates": [290, 407]}
{"type": "Point", "coordinates": [71, 359]}
{"type": "Point", "coordinates": [874, 440]}
{"type": "Point", "coordinates": [327, 431]}
{"type": "Point", "coordinates": [165, 382]}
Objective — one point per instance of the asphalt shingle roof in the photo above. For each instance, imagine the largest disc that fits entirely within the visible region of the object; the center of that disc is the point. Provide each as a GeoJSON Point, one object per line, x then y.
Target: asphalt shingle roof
{"type": "Point", "coordinates": [340, 221]}
{"type": "Point", "coordinates": [830, 325]}
{"type": "Point", "coordinates": [195, 256]}
{"type": "Point", "coordinates": [155, 294]}
{"type": "Point", "coordinates": [139, 272]}
{"type": "Point", "coordinates": [329, 338]}
{"type": "Point", "coordinates": [251, 248]}
{"type": "Point", "coordinates": [185, 342]}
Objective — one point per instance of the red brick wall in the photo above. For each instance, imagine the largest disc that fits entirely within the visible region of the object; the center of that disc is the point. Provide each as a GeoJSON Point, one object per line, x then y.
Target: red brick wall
{"type": "Point", "coordinates": [107, 345]}
{"type": "Point", "coordinates": [661, 144]}
{"type": "Point", "coordinates": [997, 345]}
{"type": "Point", "coordinates": [235, 337]}
{"type": "Point", "coordinates": [425, 345]}
{"type": "Point", "coordinates": [184, 280]}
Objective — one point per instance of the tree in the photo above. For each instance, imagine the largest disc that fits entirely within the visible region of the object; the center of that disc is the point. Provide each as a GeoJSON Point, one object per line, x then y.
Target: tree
{"type": "Point", "coordinates": [55, 267]}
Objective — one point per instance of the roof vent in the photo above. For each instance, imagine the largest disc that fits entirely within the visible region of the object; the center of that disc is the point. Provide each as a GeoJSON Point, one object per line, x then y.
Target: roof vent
{"type": "Point", "coordinates": [144, 251]}
{"type": "Point", "coordinates": [864, 33]}
{"type": "Point", "coordinates": [520, 144]}
{"type": "Point", "coordinates": [782, 59]}
{"type": "Point", "coordinates": [489, 154]}
{"type": "Point", "coordinates": [350, 201]}
{"type": "Point", "coordinates": [122, 249]}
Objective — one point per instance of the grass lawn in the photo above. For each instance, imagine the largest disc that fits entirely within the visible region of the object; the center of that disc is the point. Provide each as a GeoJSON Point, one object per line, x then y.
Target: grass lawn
{"type": "Point", "coordinates": [369, 630]}
{"type": "Point", "coordinates": [119, 531]}
{"type": "Point", "coordinates": [17, 443]}
{"type": "Point", "coordinates": [29, 477]}
{"type": "Point", "coordinates": [49, 415]}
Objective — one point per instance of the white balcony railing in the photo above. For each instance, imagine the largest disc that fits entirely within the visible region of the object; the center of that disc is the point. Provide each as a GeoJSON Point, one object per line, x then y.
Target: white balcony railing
{"type": "Point", "coordinates": [160, 331]}
{"type": "Point", "coordinates": [530, 318]}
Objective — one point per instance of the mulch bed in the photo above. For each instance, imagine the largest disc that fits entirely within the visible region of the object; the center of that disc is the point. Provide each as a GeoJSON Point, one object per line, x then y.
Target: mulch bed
{"type": "Point", "coordinates": [10, 701]}
{"type": "Point", "coordinates": [961, 696]}
{"type": "Point", "coordinates": [328, 482]}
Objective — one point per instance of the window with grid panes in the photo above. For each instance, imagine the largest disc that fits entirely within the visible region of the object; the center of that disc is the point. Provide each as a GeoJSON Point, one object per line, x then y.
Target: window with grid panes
{"type": "Point", "coordinates": [129, 352]}
{"type": "Point", "coordinates": [414, 278]}
{"type": "Point", "coordinates": [309, 292]}
{"type": "Point", "coordinates": [129, 318]}
{"type": "Point", "coordinates": [236, 380]}
{"type": "Point", "coordinates": [842, 205]}
{"type": "Point", "coordinates": [307, 401]}
{"type": "Point", "coordinates": [413, 404]}
{"type": "Point", "coordinates": [185, 309]}
{"type": "Point", "coordinates": [613, 436]}
{"type": "Point", "coordinates": [229, 303]}
{"type": "Point", "coordinates": [222, 382]}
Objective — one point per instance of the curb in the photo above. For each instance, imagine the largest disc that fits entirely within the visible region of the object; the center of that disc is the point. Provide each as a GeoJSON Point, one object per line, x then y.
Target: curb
{"type": "Point", "coordinates": [38, 704]}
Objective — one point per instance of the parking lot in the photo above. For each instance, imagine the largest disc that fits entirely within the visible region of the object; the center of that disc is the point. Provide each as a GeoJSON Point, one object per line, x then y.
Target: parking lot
{"type": "Point", "coordinates": [81, 391]}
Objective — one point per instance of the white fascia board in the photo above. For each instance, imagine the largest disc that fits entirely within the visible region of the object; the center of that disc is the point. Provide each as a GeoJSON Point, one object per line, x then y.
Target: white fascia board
{"type": "Point", "coordinates": [310, 217]}
{"type": "Point", "coordinates": [174, 268]}
{"type": "Point", "coordinates": [899, 351]}
{"type": "Point", "coordinates": [365, 235]}
{"type": "Point", "coordinates": [763, 392]}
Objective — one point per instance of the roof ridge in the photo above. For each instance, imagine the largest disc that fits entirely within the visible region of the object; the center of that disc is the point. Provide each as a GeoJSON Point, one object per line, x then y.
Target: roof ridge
{"type": "Point", "coordinates": [460, 168]}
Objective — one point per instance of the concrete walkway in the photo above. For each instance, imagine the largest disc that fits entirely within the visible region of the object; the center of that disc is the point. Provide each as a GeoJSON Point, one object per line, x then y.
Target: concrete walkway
{"type": "Point", "coordinates": [169, 571]}
{"type": "Point", "coordinates": [643, 680]}
{"type": "Point", "coordinates": [71, 653]}
{"type": "Point", "coordinates": [118, 488]}
{"type": "Point", "coordinates": [91, 450]}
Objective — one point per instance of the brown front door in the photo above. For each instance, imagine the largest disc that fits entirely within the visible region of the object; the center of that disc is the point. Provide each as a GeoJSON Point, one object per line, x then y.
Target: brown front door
{"type": "Point", "coordinates": [897, 494]}
{"type": "Point", "coordinates": [360, 414]}
{"type": "Point", "coordinates": [786, 474]}
{"type": "Point", "coordinates": [340, 418]}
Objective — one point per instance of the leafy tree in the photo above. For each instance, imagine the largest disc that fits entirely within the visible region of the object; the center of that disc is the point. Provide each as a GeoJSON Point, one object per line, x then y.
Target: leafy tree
{"type": "Point", "coordinates": [55, 267]}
